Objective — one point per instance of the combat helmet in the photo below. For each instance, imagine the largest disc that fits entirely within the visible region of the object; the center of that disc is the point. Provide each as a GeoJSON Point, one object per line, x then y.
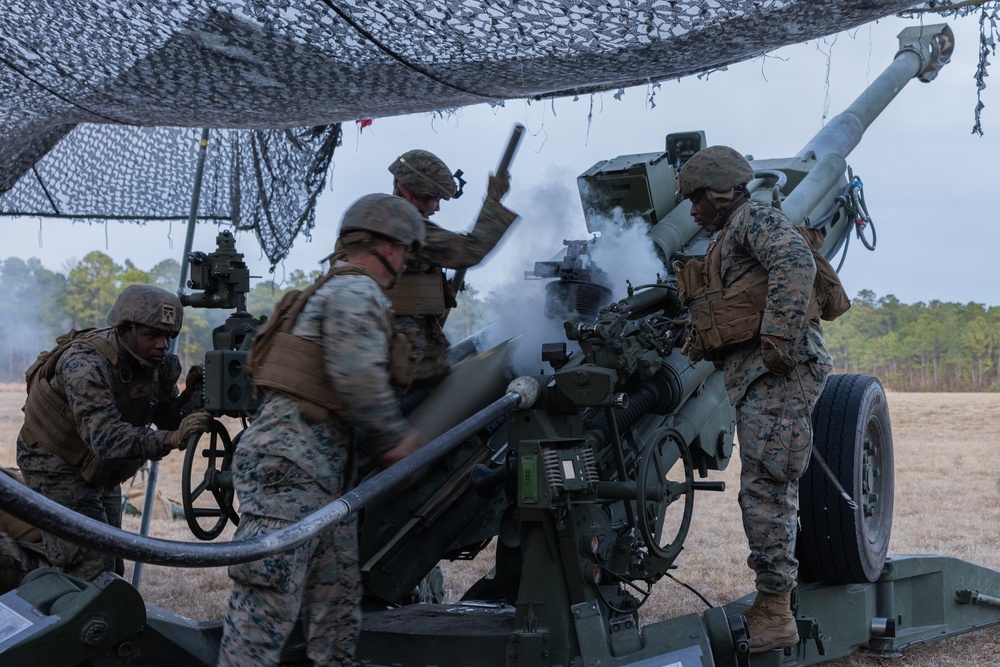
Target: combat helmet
{"type": "Point", "coordinates": [384, 215]}
{"type": "Point", "coordinates": [149, 305]}
{"type": "Point", "coordinates": [716, 168]}
{"type": "Point", "coordinates": [426, 175]}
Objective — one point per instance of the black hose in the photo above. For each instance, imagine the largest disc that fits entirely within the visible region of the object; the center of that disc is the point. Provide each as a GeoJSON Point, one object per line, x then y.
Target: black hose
{"type": "Point", "coordinates": [52, 517]}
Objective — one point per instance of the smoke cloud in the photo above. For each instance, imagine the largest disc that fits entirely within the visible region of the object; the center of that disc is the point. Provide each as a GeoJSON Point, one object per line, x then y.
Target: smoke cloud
{"type": "Point", "coordinates": [517, 306]}
{"type": "Point", "coordinates": [625, 252]}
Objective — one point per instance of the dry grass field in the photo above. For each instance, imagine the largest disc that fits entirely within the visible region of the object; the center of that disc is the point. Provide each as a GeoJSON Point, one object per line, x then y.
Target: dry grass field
{"type": "Point", "coordinates": [947, 502]}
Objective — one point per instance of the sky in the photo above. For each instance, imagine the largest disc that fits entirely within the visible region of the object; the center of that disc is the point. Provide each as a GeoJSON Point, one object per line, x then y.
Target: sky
{"type": "Point", "coordinates": [929, 182]}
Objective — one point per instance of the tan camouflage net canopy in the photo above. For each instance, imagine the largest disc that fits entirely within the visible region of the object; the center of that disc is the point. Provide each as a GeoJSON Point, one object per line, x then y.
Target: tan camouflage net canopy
{"type": "Point", "coordinates": [84, 82]}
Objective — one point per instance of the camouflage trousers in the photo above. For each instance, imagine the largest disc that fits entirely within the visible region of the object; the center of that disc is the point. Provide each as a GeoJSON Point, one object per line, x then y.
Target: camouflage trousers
{"type": "Point", "coordinates": [16, 560]}
{"type": "Point", "coordinates": [98, 502]}
{"type": "Point", "coordinates": [318, 581]}
{"type": "Point", "coordinates": [774, 426]}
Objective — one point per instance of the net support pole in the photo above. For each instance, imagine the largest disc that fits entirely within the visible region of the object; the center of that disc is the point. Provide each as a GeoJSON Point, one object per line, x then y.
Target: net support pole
{"type": "Point", "coordinates": [154, 466]}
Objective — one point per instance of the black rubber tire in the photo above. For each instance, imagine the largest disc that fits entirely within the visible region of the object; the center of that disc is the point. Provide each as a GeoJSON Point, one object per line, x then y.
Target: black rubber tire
{"type": "Point", "coordinates": [852, 433]}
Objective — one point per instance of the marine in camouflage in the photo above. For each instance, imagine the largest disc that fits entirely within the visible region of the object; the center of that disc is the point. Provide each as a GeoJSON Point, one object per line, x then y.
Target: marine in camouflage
{"type": "Point", "coordinates": [288, 466]}
{"type": "Point", "coordinates": [445, 249]}
{"type": "Point", "coordinates": [112, 401]}
{"type": "Point", "coordinates": [774, 414]}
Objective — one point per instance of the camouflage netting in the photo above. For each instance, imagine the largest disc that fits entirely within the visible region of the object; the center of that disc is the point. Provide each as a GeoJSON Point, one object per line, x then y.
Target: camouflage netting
{"type": "Point", "coordinates": [266, 181]}
{"type": "Point", "coordinates": [266, 65]}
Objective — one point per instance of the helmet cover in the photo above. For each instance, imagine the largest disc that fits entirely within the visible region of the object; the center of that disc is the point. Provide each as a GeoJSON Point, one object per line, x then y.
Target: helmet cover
{"type": "Point", "coordinates": [388, 216]}
{"type": "Point", "coordinates": [148, 305]}
{"type": "Point", "coordinates": [717, 168]}
{"type": "Point", "coordinates": [424, 174]}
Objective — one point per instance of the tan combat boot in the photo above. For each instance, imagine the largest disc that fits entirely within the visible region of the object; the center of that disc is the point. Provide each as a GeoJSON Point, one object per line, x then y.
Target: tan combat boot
{"type": "Point", "coordinates": [770, 622]}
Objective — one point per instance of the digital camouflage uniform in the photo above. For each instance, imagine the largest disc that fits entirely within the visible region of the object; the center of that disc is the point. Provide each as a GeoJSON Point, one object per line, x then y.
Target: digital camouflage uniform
{"type": "Point", "coordinates": [90, 384]}
{"type": "Point", "coordinates": [774, 414]}
{"type": "Point", "coordinates": [447, 250]}
{"type": "Point", "coordinates": [288, 466]}
{"type": "Point", "coordinates": [21, 549]}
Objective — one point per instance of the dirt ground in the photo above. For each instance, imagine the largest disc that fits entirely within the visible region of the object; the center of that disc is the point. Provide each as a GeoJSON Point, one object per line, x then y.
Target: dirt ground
{"type": "Point", "coordinates": [947, 502]}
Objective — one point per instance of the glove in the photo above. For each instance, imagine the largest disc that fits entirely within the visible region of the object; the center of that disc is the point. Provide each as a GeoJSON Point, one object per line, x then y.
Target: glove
{"type": "Point", "coordinates": [777, 357]}
{"type": "Point", "coordinates": [194, 423]}
{"type": "Point", "coordinates": [498, 186]}
{"type": "Point", "coordinates": [681, 329]}
{"type": "Point", "coordinates": [194, 379]}
{"type": "Point", "coordinates": [409, 444]}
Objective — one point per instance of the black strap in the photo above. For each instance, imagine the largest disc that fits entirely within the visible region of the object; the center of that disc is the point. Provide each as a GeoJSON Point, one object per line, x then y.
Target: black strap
{"type": "Point", "coordinates": [741, 639]}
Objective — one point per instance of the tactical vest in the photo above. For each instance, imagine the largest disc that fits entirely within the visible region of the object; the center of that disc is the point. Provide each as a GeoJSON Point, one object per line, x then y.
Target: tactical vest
{"type": "Point", "coordinates": [423, 293]}
{"type": "Point", "coordinates": [291, 364]}
{"type": "Point", "coordinates": [722, 317]}
{"type": "Point", "coordinates": [422, 290]}
{"type": "Point", "coordinates": [48, 419]}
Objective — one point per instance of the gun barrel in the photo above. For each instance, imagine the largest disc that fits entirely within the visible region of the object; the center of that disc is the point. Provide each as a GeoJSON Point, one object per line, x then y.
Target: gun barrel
{"type": "Point", "coordinates": [816, 186]}
{"type": "Point", "coordinates": [923, 51]}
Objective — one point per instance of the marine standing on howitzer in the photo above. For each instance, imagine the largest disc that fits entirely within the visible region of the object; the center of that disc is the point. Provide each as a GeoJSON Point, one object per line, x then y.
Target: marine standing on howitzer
{"type": "Point", "coordinates": [91, 402]}
{"type": "Point", "coordinates": [323, 361]}
{"type": "Point", "coordinates": [423, 296]}
{"type": "Point", "coordinates": [770, 346]}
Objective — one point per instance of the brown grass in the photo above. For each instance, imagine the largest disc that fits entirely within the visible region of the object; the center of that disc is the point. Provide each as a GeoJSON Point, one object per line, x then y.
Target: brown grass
{"type": "Point", "coordinates": [947, 502]}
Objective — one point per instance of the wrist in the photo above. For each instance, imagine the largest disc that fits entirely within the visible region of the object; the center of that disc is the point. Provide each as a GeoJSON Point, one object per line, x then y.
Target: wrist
{"type": "Point", "coordinates": [168, 443]}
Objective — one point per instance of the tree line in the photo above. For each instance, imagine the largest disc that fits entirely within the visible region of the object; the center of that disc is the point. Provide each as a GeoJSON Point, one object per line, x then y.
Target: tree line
{"type": "Point", "coordinates": [39, 305]}
{"type": "Point", "coordinates": [934, 346]}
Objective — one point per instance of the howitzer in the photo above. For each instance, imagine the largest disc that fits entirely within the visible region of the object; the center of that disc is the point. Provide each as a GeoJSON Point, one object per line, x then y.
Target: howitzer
{"type": "Point", "coordinates": [597, 481]}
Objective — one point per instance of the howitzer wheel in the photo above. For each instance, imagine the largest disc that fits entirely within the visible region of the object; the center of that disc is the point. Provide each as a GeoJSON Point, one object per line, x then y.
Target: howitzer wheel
{"type": "Point", "coordinates": [851, 430]}
{"type": "Point", "coordinates": [666, 478]}
{"type": "Point", "coordinates": [217, 479]}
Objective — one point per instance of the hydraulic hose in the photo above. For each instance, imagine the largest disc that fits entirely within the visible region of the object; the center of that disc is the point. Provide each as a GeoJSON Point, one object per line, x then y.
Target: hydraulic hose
{"type": "Point", "coordinates": [52, 517]}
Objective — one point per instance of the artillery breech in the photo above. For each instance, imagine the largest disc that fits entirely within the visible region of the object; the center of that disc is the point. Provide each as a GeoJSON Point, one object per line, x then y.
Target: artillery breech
{"type": "Point", "coordinates": [50, 516]}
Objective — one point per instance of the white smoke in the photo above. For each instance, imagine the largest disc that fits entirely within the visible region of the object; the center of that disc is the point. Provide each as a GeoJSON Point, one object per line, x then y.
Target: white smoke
{"type": "Point", "coordinates": [550, 214]}
{"type": "Point", "coordinates": [516, 307]}
{"type": "Point", "coordinates": [625, 251]}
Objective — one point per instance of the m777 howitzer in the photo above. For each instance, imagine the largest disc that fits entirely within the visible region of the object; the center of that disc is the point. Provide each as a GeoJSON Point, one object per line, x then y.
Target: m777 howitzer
{"type": "Point", "coordinates": [587, 476]}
